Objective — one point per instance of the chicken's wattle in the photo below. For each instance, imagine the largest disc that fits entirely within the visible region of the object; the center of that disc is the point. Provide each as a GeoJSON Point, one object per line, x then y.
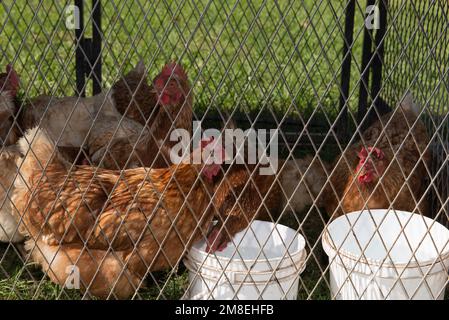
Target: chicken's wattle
{"type": "Point", "coordinates": [211, 170]}
{"type": "Point", "coordinates": [165, 99]}
{"type": "Point", "coordinates": [365, 178]}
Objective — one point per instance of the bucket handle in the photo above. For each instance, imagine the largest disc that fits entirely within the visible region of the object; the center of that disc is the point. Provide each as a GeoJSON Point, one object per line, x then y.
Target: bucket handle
{"type": "Point", "coordinates": [229, 274]}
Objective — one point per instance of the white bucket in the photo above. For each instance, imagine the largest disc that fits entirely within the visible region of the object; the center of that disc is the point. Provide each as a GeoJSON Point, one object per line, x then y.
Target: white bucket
{"type": "Point", "coordinates": [247, 272]}
{"type": "Point", "coordinates": [360, 267]}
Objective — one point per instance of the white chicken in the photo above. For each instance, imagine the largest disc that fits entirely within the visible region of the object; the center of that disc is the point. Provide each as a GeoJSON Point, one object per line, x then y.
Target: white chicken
{"type": "Point", "coordinates": [9, 85]}
{"type": "Point", "coordinates": [8, 223]}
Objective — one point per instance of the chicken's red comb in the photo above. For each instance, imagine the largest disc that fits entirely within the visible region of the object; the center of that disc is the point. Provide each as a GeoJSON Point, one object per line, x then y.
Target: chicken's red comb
{"type": "Point", "coordinates": [174, 68]}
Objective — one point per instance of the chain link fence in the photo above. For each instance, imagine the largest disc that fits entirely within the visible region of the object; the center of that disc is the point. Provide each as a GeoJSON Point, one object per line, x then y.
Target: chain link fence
{"type": "Point", "coordinates": [343, 103]}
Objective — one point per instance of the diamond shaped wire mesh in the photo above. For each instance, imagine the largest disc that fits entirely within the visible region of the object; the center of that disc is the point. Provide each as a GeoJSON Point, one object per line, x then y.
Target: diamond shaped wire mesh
{"type": "Point", "coordinates": [107, 206]}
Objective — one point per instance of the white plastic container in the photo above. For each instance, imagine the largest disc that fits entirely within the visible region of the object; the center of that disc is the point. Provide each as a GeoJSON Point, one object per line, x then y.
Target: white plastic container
{"type": "Point", "coordinates": [248, 272]}
{"type": "Point", "coordinates": [360, 267]}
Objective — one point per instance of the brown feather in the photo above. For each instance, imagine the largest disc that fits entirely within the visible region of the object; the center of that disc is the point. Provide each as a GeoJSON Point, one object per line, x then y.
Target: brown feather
{"type": "Point", "coordinates": [148, 217]}
{"type": "Point", "coordinates": [343, 182]}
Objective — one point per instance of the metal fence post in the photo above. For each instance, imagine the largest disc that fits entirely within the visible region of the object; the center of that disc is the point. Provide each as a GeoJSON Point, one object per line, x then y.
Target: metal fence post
{"type": "Point", "coordinates": [379, 51]}
{"type": "Point", "coordinates": [88, 50]}
{"type": "Point", "coordinates": [371, 65]}
{"type": "Point", "coordinates": [365, 69]}
{"type": "Point", "coordinates": [342, 126]}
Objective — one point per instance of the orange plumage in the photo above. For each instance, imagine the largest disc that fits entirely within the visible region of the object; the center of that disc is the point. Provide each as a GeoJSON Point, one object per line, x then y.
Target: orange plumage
{"type": "Point", "coordinates": [113, 226]}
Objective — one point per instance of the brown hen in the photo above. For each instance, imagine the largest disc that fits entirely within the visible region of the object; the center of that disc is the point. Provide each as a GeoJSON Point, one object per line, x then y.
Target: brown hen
{"type": "Point", "coordinates": [372, 173]}
{"type": "Point", "coordinates": [134, 98]}
{"type": "Point", "coordinates": [116, 143]}
{"type": "Point", "coordinates": [112, 227]}
{"type": "Point", "coordinates": [151, 114]}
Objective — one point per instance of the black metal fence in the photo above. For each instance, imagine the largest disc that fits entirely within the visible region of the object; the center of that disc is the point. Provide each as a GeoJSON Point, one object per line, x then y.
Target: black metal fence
{"type": "Point", "coordinates": [321, 72]}
{"type": "Point", "coordinates": [415, 59]}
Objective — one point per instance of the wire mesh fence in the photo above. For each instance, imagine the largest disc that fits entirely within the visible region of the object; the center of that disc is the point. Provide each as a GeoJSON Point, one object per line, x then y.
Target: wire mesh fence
{"type": "Point", "coordinates": [329, 172]}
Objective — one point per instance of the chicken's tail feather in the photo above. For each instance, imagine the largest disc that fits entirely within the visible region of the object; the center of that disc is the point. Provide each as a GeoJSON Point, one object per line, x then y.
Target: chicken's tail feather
{"type": "Point", "coordinates": [38, 152]}
{"type": "Point", "coordinates": [408, 103]}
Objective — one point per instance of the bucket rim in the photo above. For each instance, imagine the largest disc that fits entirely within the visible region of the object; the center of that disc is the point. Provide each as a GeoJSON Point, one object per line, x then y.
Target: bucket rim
{"type": "Point", "coordinates": [297, 259]}
{"type": "Point", "coordinates": [298, 237]}
{"type": "Point", "coordinates": [330, 249]}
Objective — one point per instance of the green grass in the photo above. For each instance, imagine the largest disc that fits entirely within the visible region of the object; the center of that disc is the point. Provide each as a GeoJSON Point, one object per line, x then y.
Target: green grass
{"type": "Point", "coordinates": [416, 62]}
{"type": "Point", "coordinates": [239, 54]}
{"type": "Point", "coordinates": [245, 55]}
